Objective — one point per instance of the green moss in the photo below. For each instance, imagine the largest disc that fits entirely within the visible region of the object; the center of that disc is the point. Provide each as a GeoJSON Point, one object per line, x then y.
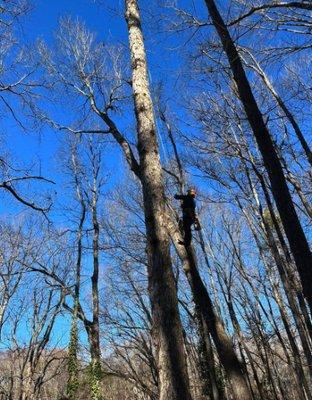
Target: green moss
{"type": "Point", "coordinates": [95, 376]}
{"type": "Point", "coordinates": [72, 365]}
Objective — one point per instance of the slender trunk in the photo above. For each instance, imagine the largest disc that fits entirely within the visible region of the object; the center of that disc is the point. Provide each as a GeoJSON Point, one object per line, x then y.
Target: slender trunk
{"type": "Point", "coordinates": [211, 386]}
{"type": "Point", "coordinates": [305, 313]}
{"type": "Point", "coordinates": [73, 368]}
{"type": "Point", "coordinates": [262, 349]}
{"type": "Point", "coordinates": [94, 331]}
{"type": "Point", "coordinates": [237, 328]}
{"type": "Point", "coordinates": [72, 363]}
{"type": "Point", "coordinates": [302, 383]}
{"type": "Point", "coordinates": [242, 345]}
{"type": "Point", "coordinates": [181, 177]}
{"type": "Point", "coordinates": [73, 378]}
{"type": "Point", "coordinates": [203, 302]}
{"type": "Point", "coordinates": [283, 106]}
{"type": "Point", "coordinates": [95, 290]}
{"type": "Point", "coordinates": [204, 327]}
{"type": "Point", "coordinates": [287, 279]}
{"type": "Point", "coordinates": [171, 362]}
{"type": "Point", "coordinates": [294, 232]}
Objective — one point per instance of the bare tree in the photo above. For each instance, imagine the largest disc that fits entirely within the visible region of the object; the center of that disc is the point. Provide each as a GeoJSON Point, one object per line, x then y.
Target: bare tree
{"type": "Point", "coordinates": [87, 78]}
{"type": "Point", "coordinates": [17, 91]}
{"type": "Point", "coordinates": [173, 377]}
{"type": "Point", "coordinates": [295, 234]}
{"type": "Point", "coordinates": [30, 360]}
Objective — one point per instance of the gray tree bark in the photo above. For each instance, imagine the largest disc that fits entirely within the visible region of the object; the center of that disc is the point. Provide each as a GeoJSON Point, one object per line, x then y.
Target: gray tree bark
{"type": "Point", "coordinates": [171, 362]}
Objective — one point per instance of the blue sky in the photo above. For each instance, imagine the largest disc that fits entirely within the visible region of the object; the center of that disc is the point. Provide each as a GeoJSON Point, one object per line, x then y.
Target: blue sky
{"type": "Point", "coordinates": [165, 60]}
{"type": "Point", "coordinates": [45, 15]}
{"type": "Point", "coordinates": [33, 148]}
{"type": "Point", "coordinates": [39, 150]}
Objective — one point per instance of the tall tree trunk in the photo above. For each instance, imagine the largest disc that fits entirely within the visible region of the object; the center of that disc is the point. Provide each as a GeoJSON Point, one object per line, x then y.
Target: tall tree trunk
{"type": "Point", "coordinates": [73, 368]}
{"type": "Point", "coordinates": [294, 232]}
{"type": "Point", "coordinates": [206, 325]}
{"type": "Point", "coordinates": [72, 362]}
{"type": "Point", "coordinates": [202, 300]}
{"type": "Point", "coordinates": [72, 386]}
{"type": "Point", "coordinates": [171, 362]}
{"type": "Point", "coordinates": [94, 331]}
{"type": "Point", "coordinates": [211, 386]}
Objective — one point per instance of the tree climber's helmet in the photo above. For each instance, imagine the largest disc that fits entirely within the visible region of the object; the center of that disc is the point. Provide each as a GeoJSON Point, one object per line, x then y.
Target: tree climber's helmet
{"type": "Point", "coordinates": [191, 192]}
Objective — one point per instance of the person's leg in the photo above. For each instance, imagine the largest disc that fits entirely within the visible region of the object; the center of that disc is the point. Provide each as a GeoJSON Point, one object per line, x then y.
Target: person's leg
{"type": "Point", "coordinates": [187, 222]}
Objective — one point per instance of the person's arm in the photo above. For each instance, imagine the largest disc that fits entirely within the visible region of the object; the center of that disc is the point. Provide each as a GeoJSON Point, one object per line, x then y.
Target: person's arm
{"type": "Point", "coordinates": [179, 196]}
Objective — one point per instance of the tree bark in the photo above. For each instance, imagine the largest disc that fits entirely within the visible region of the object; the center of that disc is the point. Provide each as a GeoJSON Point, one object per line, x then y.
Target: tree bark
{"type": "Point", "coordinates": [211, 386]}
{"type": "Point", "coordinates": [294, 232]}
{"type": "Point", "coordinates": [171, 362]}
{"type": "Point", "coordinates": [205, 307]}
{"type": "Point", "coordinates": [94, 331]}
{"type": "Point", "coordinates": [222, 341]}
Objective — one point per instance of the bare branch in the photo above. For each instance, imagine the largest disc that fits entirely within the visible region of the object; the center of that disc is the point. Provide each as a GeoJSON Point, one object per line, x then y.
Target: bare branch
{"type": "Point", "coordinates": [9, 188]}
{"type": "Point", "coordinates": [304, 5]}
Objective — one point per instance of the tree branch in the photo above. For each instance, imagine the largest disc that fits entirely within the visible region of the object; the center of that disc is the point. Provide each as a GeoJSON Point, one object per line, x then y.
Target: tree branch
{"type": "Point", "coordinates": [293, 4]}
{"type": "Point", "coordinates": [9, 188]}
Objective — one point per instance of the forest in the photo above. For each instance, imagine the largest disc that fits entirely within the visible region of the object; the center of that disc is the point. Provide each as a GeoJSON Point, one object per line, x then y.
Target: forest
{"type": "Point", "coordinates": [155, 200]}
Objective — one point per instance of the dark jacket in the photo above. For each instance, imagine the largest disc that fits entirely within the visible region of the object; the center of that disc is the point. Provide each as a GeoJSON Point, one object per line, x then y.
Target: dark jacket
{"type": "Point", "coordinates": [188, 205]}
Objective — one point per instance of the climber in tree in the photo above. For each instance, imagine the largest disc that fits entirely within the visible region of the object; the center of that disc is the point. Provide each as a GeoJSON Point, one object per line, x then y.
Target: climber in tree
{"type": "Point", "coordinates": [188, 214]}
